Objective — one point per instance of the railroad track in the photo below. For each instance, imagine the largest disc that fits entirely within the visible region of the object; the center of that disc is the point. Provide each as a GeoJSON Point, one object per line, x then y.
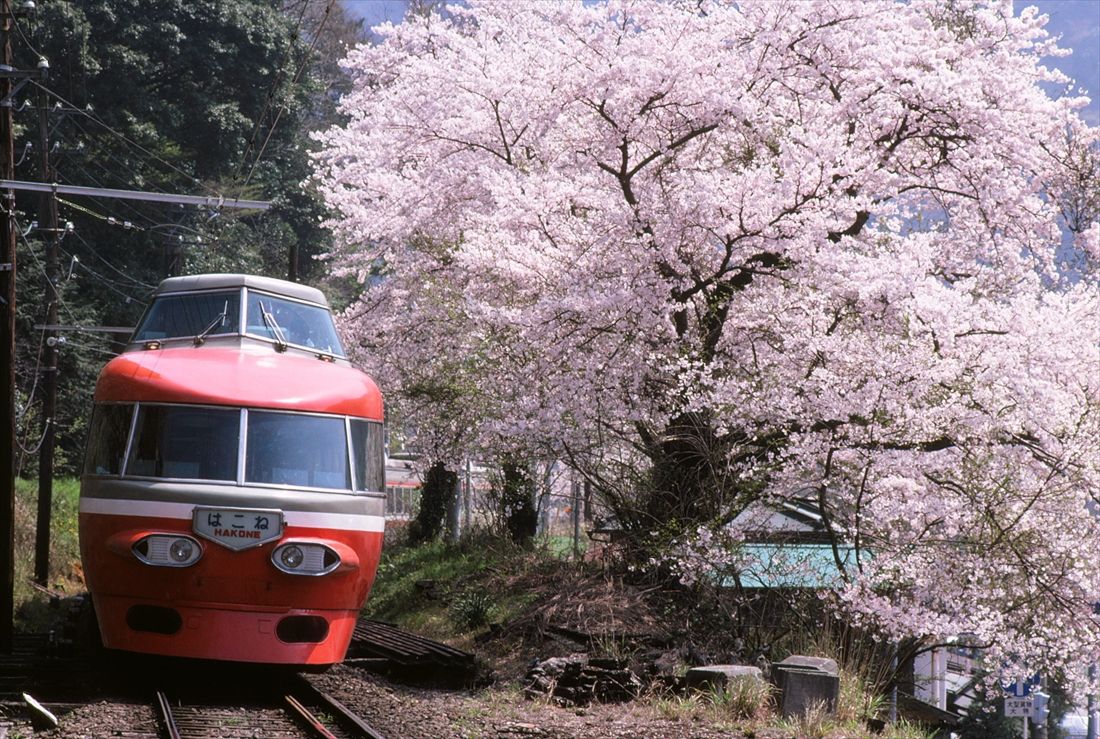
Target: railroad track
{"type": "Point", "coordinates": [296, 710]}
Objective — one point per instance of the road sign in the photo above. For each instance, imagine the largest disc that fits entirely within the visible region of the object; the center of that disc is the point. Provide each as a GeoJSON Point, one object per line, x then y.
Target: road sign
{"type": "Point", "coordinates": [1019, 706]}
{"type": "Point", "coordinates": [1022, 686]}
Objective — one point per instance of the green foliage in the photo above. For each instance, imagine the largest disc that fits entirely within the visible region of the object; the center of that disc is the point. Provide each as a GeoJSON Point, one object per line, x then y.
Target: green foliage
{"type": "Point", "coordinates": [200, 97]}
{"type": "Point", "coordinates": [400, 590]}
{"type": "Point", "coordinates": [65, 575]}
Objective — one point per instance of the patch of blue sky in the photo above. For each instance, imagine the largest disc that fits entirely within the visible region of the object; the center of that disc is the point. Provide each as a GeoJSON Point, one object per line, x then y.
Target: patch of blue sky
{"type": "Point", "coordinates": [1077, 25]}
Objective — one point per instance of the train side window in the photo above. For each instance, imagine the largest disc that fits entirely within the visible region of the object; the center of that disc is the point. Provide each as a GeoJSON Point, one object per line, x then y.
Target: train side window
{"type": "Point", "coordinates": [297, 449]}
{"type": "Point", "coordinates": [185, 442]}
{"type": "Point", "coordinates": [174, 316]}
{"type": "Point", "coordinates": [368, 449]}
{"type": "Point", "coordinates": [107, 435]}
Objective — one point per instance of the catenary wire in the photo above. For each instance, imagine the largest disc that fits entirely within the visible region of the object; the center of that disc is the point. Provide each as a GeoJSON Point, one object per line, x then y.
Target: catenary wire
{"type": "Point", "coordinates": [271, 90]}
{"type": "Point", "coordinates": [121, 136]}
{"type": "Point", "coordinates": [301, 68]}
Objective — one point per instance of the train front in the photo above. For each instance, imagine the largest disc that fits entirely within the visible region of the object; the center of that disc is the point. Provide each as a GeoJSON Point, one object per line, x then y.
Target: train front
{"type": "Point", "coordinates": [233, 492]}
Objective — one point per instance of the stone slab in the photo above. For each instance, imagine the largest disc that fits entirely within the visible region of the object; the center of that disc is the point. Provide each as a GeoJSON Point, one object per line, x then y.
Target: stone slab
{"type": "Point", "coordinates": [804, 690]}
{"type": "Point", "coordinates": [719, 676]}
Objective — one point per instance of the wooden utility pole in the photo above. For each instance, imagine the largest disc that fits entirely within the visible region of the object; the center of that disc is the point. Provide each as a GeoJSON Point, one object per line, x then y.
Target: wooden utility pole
{"type": "Point", "coordinates": [7, 342]}
{"type": "Point", "coordinates": [47, 221]}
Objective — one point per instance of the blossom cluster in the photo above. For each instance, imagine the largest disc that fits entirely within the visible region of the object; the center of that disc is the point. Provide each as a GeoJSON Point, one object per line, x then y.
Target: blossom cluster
{"type": "Point", "coordinates": [834, 225]}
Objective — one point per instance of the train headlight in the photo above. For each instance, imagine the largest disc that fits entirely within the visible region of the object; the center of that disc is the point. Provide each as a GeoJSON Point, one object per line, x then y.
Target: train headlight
{"type": "Point", "coordinates": [181, 550]}
{"type": "Point", "coordinates": [305, 558]}
{"type": "Point", "coordinates": [168, 550]}
{"type": "Point", "coordinates": [291, 557]}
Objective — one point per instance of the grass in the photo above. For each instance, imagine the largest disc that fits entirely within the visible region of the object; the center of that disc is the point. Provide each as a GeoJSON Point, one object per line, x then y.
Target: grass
{"type": "Point", "coordinates": [414, 584]}
{"type": "Point", "coordinates": [32, 606]}
{"type": "Point", "coordinates": [449, 591]}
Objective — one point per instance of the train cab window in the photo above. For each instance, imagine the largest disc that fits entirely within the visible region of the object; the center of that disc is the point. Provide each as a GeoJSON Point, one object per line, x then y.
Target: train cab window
{"type": "Point", "coordinates": [295, 323]}
{"type": "Point", "coordinates": [185, 442]}
{"type": "Point", "coordinates": [107, 435]}
{"type": "Point", "coordinates": [192, 314]}
{"type": "Point", "coordinates": [368, 451]}
{"type": "Point", "coordinates": [297, 449]}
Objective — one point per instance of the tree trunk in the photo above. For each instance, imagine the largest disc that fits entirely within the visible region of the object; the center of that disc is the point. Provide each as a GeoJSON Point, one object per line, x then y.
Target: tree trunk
{"type": "Point", "coordinates": [435, 498]}
{"type": "Point", "coordinates": [517, 502]}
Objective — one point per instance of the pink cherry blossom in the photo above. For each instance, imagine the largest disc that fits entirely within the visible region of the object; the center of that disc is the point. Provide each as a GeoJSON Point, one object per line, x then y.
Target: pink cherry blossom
{"type": "Point", "coordinates": [836, 226]}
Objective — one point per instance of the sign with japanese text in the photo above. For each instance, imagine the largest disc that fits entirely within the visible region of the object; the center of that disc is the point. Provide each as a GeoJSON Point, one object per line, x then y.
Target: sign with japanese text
{"type": "Point", "coordinates": [238, 528]}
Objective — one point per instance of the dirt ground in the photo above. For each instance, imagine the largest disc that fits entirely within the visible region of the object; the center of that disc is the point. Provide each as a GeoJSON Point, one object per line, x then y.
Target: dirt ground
{"type": "Point", "coordinates": [404, 712]}
{"type": "Point", "coordinates": [594, 607]}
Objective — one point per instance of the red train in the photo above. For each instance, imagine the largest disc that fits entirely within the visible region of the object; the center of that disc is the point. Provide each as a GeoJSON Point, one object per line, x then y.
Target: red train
{"type": "Point", "coordinates": [233, 491]}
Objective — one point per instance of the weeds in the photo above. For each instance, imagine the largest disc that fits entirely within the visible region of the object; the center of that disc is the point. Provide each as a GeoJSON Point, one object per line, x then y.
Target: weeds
{"type": "Point", "coordinates": [470, 609]}
{"type": "Point", "coordinates": [745, 698]}
{"type": "Point", "coordinates": [816, 723]}
{"type": "Point", "coordinates": [33, 611]}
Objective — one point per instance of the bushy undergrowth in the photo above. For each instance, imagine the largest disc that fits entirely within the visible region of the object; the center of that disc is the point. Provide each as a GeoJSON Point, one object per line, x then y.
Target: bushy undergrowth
{"type": "Point", "coordinates": [454, 592]}
{"type": "Point", "coordinates": [32, 611]}
{"type": "Point", "coordinates": [446, 590]}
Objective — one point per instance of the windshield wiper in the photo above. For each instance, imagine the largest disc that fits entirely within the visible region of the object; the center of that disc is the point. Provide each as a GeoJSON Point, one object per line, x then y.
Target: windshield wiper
{"type": "Point", "coordinates": [219, 319]}
{"type": "Point", "coordinates": [273, 326]}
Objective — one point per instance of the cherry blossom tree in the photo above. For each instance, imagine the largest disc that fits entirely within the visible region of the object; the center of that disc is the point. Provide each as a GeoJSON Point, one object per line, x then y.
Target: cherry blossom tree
{"type": "Point", "coordinates": [754, 251]}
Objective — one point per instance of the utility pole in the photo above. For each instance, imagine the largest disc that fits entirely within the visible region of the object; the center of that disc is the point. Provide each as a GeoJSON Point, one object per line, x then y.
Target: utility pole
{"type": "Point", "coordinates": [47, 217]}
{"type": "Point", "coordinates": [7, 342]}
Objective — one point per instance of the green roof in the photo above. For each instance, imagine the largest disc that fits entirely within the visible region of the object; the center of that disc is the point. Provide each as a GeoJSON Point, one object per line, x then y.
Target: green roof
{"type": "Point", "coordinates": [787, 565]}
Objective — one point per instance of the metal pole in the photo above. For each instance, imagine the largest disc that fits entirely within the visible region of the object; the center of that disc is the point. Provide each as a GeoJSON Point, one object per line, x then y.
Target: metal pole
{"type": "Point", "coordinates": [893, 716]}
{"type": "Point", "coordinates": [576, 519]}
{"type": "Point", "coordinates": [1041, 726]}
{"type": "Point", "coordinates": [1093, 708]}
{"type": "Point", "coordinates": [453, 518]}
{"type": "Point", "coordinates": [466, 498]}
{"type": "Point", "coordinates": [7, 348]}
{"type": "Point", "coordinates": [214, 203]}
{"type": "Point", "coordinates": [48, 217]}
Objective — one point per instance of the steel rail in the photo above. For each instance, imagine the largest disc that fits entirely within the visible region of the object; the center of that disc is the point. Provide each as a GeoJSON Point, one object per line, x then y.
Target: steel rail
{"type": "Point", "coordinates": [307, 716]}
{"type": "Point", "coordinates": [342, 714]}
{"type": "Point", "coordinates": [167, 717]}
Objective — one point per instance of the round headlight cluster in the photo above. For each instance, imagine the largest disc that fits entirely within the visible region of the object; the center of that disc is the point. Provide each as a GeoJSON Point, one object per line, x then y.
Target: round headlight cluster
{"type": "Point", "coordinates": [304, 558]}
{"type": "Point", "coordinates": [292, 557]}
{"type": "Point", "coordinates": [168, 550]}
{"type": "Point", "coordinates": [181, 550]}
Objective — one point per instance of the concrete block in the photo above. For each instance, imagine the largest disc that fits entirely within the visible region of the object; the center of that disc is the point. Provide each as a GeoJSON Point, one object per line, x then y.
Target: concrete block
{"type": "Point", "coordinates": [719, 676]}
{"type": "Point", "coordinates": [801, 690]}
{"type": "Point", "coordinates": [802, 662]}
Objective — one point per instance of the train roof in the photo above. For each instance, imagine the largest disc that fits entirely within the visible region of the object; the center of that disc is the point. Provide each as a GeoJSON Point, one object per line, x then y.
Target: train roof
{"type": "Point", "coordinates": [197, 283]}
{"type": "Point", "coordinates": [241, 376]}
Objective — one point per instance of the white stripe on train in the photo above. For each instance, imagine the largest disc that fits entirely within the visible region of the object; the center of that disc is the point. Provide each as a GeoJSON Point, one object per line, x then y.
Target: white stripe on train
{"type": "Point", "coordinates": [184, 511]}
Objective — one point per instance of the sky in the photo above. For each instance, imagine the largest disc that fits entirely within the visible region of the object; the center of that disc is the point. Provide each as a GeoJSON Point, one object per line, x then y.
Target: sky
{"type": "Point", "coordinates": [1076, 21]}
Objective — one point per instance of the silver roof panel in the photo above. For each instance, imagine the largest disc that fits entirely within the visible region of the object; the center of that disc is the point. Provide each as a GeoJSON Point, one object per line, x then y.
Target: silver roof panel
{"type": "Point", "coordinates": [195, 283]}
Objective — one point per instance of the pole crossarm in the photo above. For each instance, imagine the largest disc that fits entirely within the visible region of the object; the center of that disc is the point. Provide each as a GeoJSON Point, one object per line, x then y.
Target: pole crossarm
{"type": "Point", "coordinates": [159, 197]}
{"type": "Point", "coordinates": [90, 329]}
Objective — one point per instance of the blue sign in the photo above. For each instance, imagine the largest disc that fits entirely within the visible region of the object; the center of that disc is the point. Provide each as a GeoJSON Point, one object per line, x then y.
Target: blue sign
{"type": "Point", "coordinates": [1022, 686]}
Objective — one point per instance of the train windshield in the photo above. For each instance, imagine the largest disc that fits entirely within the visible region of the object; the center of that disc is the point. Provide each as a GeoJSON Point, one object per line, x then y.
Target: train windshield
{"type": "Point", "coordinates": [204, 443]}
{"type": "Point", "coordinates": [295, 449]}
{"type": "Point", "coordinates": [191, 314]}
{"type": "Point", "coordinates": [289, 321]}
{"type": "Point", "coordinates": [185, 442]}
